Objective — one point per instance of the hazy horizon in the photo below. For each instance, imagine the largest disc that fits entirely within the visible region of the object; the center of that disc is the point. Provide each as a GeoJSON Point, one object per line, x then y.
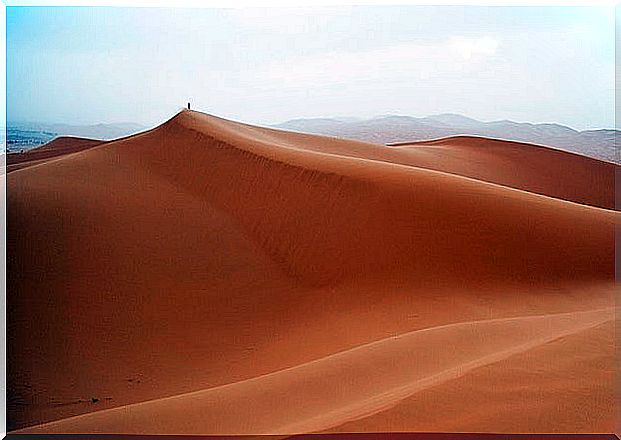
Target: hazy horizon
{"type": "Point", "coordinates": [333, 117]}
{"type": "Point", "coordinates": [84, 66]}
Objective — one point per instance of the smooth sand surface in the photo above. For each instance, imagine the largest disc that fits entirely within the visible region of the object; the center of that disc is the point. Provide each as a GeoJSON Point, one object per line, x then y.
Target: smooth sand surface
{"type": "Point", "coordinates": [558, 387]}
{"type": "Point", "coordinates": [224, 278]}
{"type": "Point", "coordinates": [344, 386]}
{"type": "Point", "coordinates": [541, 170]}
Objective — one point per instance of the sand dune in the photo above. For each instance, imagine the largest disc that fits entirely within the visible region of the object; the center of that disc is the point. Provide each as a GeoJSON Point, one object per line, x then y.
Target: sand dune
{"type": "Point", "coordinates": [518, 165]}
{"type": "Point", "coordinates": [341, 387]}
{"type": "Point", "coordinates": [531, 392]}
{"type": "Point", "coordinates": [533, 168]}
{"type": "Point", "coordinates": [58, 147]}
{"type": "Point", "coordinates": [207, 255]}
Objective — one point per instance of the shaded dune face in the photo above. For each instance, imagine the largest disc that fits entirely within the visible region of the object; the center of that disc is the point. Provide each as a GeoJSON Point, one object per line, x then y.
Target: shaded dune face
{"type": "Point", "coordinates": [328, 218]}
{"type": "Point", "coordinates": [206, 252]}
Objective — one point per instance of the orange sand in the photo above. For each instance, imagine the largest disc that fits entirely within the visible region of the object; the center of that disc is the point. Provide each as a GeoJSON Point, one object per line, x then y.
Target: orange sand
{"type": "Point", "coordinates": [210, 277]}
{"type": "Point", "coordinates": [59, 146]}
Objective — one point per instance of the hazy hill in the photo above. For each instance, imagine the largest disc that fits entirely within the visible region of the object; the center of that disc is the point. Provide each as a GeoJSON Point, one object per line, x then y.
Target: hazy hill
{"type": "Point", "coordinates": [599, 144]}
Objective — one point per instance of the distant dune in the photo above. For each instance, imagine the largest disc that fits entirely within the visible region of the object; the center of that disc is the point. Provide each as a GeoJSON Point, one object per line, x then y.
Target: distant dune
{"type": "Point", "coordinates": [24, 136]}
{"type": "Point", "coordinates": [212, 277]}
{"type": "Point", "coordinates": [541, 170]}
{"type": "Point", "coordinates": [59, 146]}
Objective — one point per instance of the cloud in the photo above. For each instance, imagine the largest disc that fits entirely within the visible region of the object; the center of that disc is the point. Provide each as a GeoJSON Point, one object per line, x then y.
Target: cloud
{"type": "Point", "coordinates": [468, 48]}
{"type": "Point", "coordinates": [292, 20]}
{"type": "Point", "coordinates": [415, 60]}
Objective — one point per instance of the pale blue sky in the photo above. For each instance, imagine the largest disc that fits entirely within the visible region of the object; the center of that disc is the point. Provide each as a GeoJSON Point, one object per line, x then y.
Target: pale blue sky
{"type": "Point", "coordinates": [90, 65]}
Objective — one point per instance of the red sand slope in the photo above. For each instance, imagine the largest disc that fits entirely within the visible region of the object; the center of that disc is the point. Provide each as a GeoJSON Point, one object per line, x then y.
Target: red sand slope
{"type": "Point", "coordinates": [206, 253]}
{"type": "Point", "coordinates": [530, 167]}
{"type": "Point", "coordinates": [57, 147]}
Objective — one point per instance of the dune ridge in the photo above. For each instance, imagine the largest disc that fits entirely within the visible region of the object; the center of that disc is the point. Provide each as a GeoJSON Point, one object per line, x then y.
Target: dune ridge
{"type": "Point", "coordinates": [386, 188]}
{"type": "Point", "coordinates": [245, 251]}
{"type": "Point", "coordinates": [564, 174]}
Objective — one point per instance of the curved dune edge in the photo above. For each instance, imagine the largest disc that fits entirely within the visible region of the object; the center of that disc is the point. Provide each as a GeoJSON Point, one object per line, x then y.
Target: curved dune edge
{"type": "Point", "coordinates": [342, 387]}
{"type": "Point", "coordinates": [532, 167]}
{"type": "Point", "coordinates": [57, 148]}
{"type": "Point", "coordinates": [528, 167]}
{"type": "Point", "coordinates": [571, 380]}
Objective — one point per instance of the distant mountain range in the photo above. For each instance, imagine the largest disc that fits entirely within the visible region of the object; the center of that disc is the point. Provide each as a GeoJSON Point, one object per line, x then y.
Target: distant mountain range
{"type": "Point", "coordinates": [24, 136]}
{"type": "Point", "coordinates": [599, 144]}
